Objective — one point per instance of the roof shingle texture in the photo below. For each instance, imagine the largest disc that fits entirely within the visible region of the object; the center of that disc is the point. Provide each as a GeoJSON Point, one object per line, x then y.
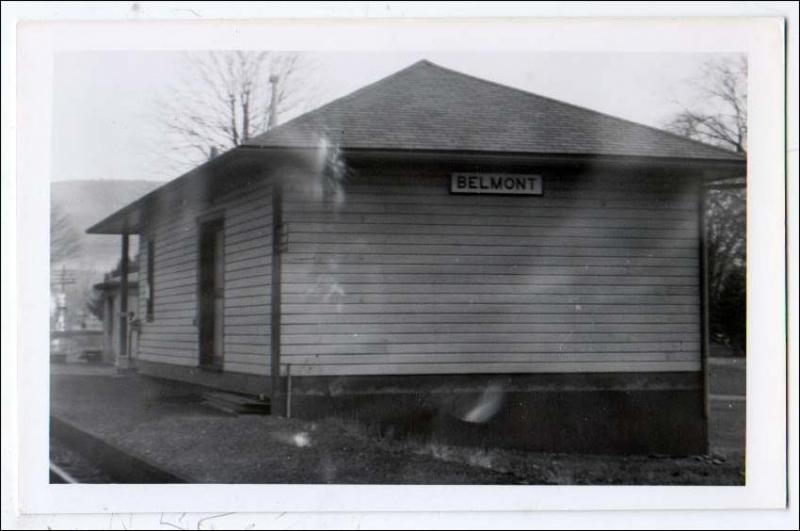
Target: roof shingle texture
{"type": "Point", "coordinates": [427, 107]}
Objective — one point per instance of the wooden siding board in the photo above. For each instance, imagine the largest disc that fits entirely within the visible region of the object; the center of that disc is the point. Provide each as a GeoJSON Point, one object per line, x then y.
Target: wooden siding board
{"type": "Point", "coordinates": [484, 347]}
{"type": "Point", "coordinates": [531, 249]}
{"type": "Point", "coordinates": [491, 270]}
{"type": "Point", "coordinates": [488, 318]}
{"type": "Point", "coordinates": [521, 212]}
{"type": "Point", "coordinates": [552, 229]}
{"type": "Point", "coordinates": [463, 337]}
{"type": "Point", "coordinates": [531, 289]}
{"type": "Point", "coordinates": [496, 357]}
{"type": "Point", "coordinates": [546, 239]}
{"type": "Point", "coordinates": [509, 329]}
{"type": "Point", "coordinates": [336, 277]}
{"type": "Point", "coordinates": [466, 220]}
{"type": "Point", "coordinates": [520, 261]}
{"type": "Point", "coordinates": [437, 367]}
{"type": "Point", "coordinates": [531, 309]}
{"type": "Point", "coordinates": [482, 298]}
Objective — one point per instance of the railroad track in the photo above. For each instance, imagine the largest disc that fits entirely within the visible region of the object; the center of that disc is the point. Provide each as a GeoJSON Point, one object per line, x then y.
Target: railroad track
{"type": "Point", "coordinates": [59, 475]}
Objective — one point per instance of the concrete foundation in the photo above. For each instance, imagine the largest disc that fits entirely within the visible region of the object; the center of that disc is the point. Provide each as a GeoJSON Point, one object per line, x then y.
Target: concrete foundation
{"type": "Point", "coordinates": [560, 413]}
{"type": "Point", "coordinates": [602, 413]}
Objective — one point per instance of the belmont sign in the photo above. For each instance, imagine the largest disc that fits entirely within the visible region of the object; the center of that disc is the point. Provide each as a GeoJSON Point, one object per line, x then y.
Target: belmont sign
{"type": "Point", "coordinates": [495, 183]}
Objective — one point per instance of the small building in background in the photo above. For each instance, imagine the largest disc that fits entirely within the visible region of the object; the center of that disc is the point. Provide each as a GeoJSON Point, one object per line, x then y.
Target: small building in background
{"type": "Point", "coordinates": [110, 291]}
{"type": "Point", "coordinates": [74, 331]}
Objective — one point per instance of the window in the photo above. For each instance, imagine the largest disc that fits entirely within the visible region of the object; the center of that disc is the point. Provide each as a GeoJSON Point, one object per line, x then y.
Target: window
{"type": "Point", "coordinates": [151, 262]}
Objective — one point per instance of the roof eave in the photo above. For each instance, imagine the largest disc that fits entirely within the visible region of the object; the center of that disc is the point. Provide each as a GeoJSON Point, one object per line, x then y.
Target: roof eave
{"type": "Point", "coordinates": [468, 156]}
{"type": "Point", "coordinates": [122, 222]}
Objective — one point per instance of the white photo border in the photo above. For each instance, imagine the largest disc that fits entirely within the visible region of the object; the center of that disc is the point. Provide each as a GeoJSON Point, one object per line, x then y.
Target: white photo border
{"type": "Point", "coordinates": [761, 39]}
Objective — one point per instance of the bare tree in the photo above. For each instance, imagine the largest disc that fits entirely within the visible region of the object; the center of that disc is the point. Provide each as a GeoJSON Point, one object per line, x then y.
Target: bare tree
{"type": "Point", "coordinates": [719, 117]}
{"type": "Point", "coordinates": [725, 233]}
{"type": "Point", "coordinates": [95, 303]}
{"type": "Point", "coordinates": [227, 98]}
{"type": "Point", "coordinates": [65, 241]}
{"type": "Point", "coordinates": [725, 211]}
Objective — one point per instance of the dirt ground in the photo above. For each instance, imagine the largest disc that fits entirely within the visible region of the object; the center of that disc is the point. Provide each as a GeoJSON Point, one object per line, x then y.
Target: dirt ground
{"type": "Point", "coordinates": [167, 425]}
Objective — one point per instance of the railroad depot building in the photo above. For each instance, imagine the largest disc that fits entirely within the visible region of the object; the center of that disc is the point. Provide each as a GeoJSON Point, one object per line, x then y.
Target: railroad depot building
{"type": "Point", "coordinates": [443, 253]}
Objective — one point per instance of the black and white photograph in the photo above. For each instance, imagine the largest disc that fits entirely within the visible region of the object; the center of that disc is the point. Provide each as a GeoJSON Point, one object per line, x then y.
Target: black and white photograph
{"type": "Point", "coordinates": [402, 266]}
{"type": "Point", "coordinates": [438, 276]}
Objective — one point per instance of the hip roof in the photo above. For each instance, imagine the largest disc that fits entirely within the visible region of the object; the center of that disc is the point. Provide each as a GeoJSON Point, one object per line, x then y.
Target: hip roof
{"type": "Point", "coordinates": [426, 107]}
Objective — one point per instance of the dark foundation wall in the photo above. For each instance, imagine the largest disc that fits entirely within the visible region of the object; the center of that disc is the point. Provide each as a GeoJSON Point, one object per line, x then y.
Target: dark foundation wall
{"type": "Point", "coordinates": [601, 413]}
{"type": "Point", "coordinates": [561, 413]}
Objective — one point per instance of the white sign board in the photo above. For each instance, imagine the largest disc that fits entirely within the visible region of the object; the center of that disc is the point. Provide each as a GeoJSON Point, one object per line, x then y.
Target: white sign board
{"type": "Point", "coordinates": [496, 183]}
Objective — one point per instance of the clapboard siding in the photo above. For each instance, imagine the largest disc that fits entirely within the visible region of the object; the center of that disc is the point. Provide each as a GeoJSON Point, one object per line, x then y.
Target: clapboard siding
{"type": "Point", "coordinates": [306, 288]}
{"type": "Point", "coordinates": [172, 337]}
{"type": "Point", "coordinates": [496, 231]}
{"type": "Point", "coordinates": [509, 329]}
{"type": "Point", "coordinates": [400, 277]}
{"type": "Point", "coordinates": [465, 278]}
{"type": "Point", "coordinates": [483, 319]}
{"type": "Point", "coordinates": [519, 260]}
{"type": "Point", "coordinates": [593, 209]}
{"type": "Point", "coordinates": [534, 309]}
{"type": "Point", "coordinates": [502, 220]}
{"type": "Point", "coordinates": [512, 269]}
{"type": "Point", "coordinates": [328, 339]}
{"type": "Point", "coordinates": [523, 357]}
{"type": "Point", "coordinates": [486, 348]}
{"type": "Point", "coordinates": [483, 250]}
{"type": "Point", "coordinates": [460, 367]}
{"type": "Point", "coordinates": [483, 299]}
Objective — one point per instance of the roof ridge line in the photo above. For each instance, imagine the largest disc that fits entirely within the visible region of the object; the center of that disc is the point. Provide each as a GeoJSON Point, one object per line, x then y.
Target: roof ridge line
{"type": "Point", "coordinates": [579, 107]}
{"type": "Point", "coordinates": [339, 100]}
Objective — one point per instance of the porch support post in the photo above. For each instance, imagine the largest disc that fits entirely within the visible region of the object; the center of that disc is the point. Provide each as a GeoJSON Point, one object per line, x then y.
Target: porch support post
{"type": "Point", "coordinates": [123, 359]}
{"type": "Point", "coordinates": [108, 323]}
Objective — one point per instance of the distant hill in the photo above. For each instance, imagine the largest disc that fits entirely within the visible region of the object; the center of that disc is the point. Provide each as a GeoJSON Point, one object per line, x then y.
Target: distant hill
{"type": "Point", "coordinates": [85, 203]}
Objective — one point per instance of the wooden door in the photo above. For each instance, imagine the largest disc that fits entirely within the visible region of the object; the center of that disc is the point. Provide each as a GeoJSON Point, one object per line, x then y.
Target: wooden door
{"type": "Point", "coordinates": [212, 294]}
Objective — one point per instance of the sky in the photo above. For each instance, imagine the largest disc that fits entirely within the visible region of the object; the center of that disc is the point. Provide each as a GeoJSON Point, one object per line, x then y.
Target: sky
{"type": "Point", "coordinates": [105, 103]}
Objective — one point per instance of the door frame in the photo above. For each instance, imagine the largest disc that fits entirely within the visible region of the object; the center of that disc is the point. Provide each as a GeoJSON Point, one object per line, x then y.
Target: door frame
{"type": "Point", "coordinates": [216, 218]}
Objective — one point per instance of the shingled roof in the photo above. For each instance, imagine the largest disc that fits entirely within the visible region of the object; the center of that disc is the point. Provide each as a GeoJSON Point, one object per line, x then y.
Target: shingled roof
{"type": "Point", "coordinates": [430, 108]}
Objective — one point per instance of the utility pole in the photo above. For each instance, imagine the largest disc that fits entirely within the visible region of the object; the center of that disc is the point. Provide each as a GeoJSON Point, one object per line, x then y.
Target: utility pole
{"type": "Point", "coordinates": [60, 280]}
{"type": "Point", "coordinates": [273, 102]}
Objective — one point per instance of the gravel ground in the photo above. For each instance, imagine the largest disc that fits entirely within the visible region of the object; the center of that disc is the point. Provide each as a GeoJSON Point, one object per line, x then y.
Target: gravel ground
{"type": "Point", "coordinates": [567, 469]}
{"type": "Point", "coordinates": [167, 425]}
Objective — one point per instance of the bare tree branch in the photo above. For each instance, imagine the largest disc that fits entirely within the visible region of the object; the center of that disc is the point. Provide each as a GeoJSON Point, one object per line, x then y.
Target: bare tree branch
{"type": "Point", "coordinates": [225, 100]}
{"type": "Point", "coordinates": [64, 238]}
{"type": "Point", "coordinates": [721, 117]}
